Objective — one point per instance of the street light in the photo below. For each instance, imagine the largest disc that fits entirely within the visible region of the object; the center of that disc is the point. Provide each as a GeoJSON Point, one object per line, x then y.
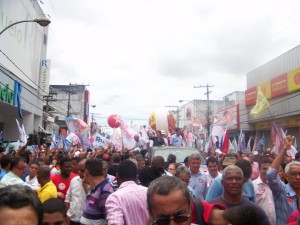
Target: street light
{"type": "Point", "coordinates": [182, 100]}
{"type": "Point", "coordinates": [42, 22]}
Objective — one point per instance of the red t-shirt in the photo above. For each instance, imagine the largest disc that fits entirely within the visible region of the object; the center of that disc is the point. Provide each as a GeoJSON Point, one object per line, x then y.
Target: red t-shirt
{"type": "Point", "coordinates": [207, 208]}
{"type": "Point", "coordinates": [62, 185]}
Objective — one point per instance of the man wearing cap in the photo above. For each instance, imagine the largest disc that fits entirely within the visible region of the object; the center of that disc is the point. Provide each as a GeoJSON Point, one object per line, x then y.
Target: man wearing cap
{"type": "Point", "coordinates": [216, 188]}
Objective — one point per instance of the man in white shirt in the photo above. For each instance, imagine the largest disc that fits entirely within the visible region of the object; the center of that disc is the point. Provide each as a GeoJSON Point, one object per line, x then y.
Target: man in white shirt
{"type": "Point", "coordinates": [75, 198]}
{"type": "Point", "coordinates": [141, 143]}
{"type": "Point", "coordinates": [31, 179]}
{"type": "Point", "coordinates": [263, 194]}
{"type": "Point", "coordinates": [212, 170]}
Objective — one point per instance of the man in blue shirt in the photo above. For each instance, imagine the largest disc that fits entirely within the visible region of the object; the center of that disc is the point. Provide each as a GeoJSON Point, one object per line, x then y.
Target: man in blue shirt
{"type": "Point", "coordinates": [285, 195]}
{"type": "Point", "coordinates": [176, 139]}
{"type": "Point", "coordinates": [198, 180]}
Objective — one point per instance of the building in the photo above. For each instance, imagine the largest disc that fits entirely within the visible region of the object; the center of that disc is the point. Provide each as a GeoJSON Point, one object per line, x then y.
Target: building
{"type": "Point", "coordinates": [65, 101]}
{"type": "Point", "coordinates": [23, 67]}
{"type": "Point", "coordinates": [279, 80]}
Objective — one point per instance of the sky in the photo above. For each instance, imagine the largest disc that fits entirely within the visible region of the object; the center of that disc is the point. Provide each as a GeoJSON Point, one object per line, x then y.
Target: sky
{"type": "Point", "coordinates": [139, 56]}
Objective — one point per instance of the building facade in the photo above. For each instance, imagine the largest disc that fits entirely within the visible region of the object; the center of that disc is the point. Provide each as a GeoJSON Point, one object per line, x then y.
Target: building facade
{"type": "Point", "coordinates": [67, 100]}
{"type": "Point", "coordinates": [23, 50]}
{"type": "Point", "coordinates": [279, 80]}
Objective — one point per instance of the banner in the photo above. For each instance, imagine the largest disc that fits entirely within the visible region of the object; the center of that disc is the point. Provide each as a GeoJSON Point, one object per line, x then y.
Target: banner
{"type": "Point", "coordinates": [117, 139]}
{"type": "Point", "coordinates": [100, 142]}
{"type": "Point", "coordinates": [75, 124]}
{"type": "Point", "coordinates": [72, 138]}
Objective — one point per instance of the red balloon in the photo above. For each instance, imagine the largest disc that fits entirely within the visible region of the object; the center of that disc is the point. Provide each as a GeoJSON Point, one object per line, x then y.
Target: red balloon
{"type": "Point", "coordinates": [114, 121]}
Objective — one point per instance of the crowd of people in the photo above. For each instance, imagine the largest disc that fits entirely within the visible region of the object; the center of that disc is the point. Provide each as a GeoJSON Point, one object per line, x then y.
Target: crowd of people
{"type": "Point", "coordinates": [50, 186]}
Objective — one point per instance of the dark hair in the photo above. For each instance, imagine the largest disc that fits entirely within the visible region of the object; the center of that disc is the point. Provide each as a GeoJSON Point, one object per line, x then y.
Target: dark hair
{"type": "Point", "coordinates": [18, 196]}
{"type": "Point", "coordinates": [246, 167]}
{"type": "Point", "coordinates": [45, 161]}
{"type": "Point", "coordinates": [127, 170]}
{"type": "Point", "coordinates": [243, 214]}
{"type": "Point", "coordinates": [64, 160]}
{"type": "Point", "coordinates": [164, 185]}
{"type": "Point", "coordinates": [53, 205]}
{"type": "Point", "coordinates": [171, 158]}
{"type": "Point", "coordinates": [5, 160]}
{"type": "Point", "coordinates": [186, 160]}
{"type": "Point", "coordinates": [116, 157]}
{"type": "Point", "coordinates": [15, 162]}
{"type": "Point", "coordinates": [297, 155]}
{"type": "Point", "coordinates": [146, 175]}
{"type": "Point", "coordinates": [94, 167]}
{"type": "Point", "coordinates": [211, 160]}
{"type": "Point", "coordinates": [36, 161]}
{"type": "Point", "coordinates": [76, 159]}
{"type": "Point", "coordinates": [264, 160]}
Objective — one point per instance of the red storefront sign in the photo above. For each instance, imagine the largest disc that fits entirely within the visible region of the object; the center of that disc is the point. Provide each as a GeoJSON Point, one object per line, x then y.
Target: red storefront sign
{"type": "Point", "coordinates": [279, 85]}
{"type": "Point", "coordinates": [250, 96]}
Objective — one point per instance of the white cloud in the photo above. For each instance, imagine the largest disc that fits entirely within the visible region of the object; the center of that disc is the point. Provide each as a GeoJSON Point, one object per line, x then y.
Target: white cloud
{"type": "Point", "coordinates": [141, 55]}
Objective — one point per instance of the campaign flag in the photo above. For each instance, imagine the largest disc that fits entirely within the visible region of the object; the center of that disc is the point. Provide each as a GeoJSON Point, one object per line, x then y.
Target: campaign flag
{"type": "Point", "coordinates": [249, 149]}
{"type": "Point", "coordinates": [291, 152]}
{"type": "Point", "coordinates": [217, 131]}
{"type": "Point", "coordinates": [72, 138]}
{"type": "Point", "coordinates": [22, 133]}
{"type": "Point", "coordinates": [100, 141]}
{"type": "Point", "coordinates": [261, 104]}
{"type": "Point", "coordinates": [279, 135]}
{"type": "Point", "coordinates": [225, 144]}
{"type": "Point", "coordinates": [86, 142]}
{"type": "Point", "coordinates": [261, 143]}
{"type": "Point", "coordinates": [242, 142]}
{"type": "Point", "coordinates": [75, 124]}
{"type": "Point", "coordinates": [117, 139]}
{"type": "Point", "coordinates": [234, 145]}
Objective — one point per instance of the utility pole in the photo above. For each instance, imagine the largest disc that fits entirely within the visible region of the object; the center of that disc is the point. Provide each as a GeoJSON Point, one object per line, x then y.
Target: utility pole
{"type": "Point", "coordinates": [48, 98]}
{"type": "Point", "coordinates": [207, 86]}
{"type": "Point", "coordinates": [69, 99]}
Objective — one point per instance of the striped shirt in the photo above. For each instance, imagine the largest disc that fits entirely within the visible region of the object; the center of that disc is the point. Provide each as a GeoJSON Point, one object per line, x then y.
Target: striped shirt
{"type": "Point", "coordinates": [94, 209]}
{"type": "Point", "coordinates": [128, 205]}
{"type": "Point", "coordinates": [285, 198]}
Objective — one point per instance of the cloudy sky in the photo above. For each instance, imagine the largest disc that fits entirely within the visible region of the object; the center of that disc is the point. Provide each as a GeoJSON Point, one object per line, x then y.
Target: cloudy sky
{"type": "Point", "coordinates": [139, 56]}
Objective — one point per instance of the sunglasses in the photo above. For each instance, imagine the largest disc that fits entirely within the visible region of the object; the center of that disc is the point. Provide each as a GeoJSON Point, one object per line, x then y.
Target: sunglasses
{"type": "Point", "coordinates": [167, 220]}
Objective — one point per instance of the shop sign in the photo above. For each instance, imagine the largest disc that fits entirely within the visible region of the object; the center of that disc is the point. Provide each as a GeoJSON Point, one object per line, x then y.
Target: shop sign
{"type": "Point", "coordinates": [12, 96]}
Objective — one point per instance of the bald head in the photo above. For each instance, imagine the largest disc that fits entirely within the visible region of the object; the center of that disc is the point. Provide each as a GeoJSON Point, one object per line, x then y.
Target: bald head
{"type": "Point", "coordinates": [44, 172]}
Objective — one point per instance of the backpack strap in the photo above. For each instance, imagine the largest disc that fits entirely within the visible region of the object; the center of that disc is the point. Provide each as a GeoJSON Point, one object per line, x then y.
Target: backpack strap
{"type": "Point", "coordinates": [199, 210]}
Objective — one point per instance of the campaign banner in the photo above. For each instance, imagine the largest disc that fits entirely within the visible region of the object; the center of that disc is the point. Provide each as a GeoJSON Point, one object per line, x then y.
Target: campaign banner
{"type": "Point", "coordinates": [73, 138]}
{"type": "Point", "coordinates": [99, 141]}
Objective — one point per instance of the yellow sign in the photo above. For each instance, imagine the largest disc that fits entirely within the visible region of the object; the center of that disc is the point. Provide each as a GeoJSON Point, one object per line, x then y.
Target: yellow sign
{"type": "Point", "coordinates": [294, 80]}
